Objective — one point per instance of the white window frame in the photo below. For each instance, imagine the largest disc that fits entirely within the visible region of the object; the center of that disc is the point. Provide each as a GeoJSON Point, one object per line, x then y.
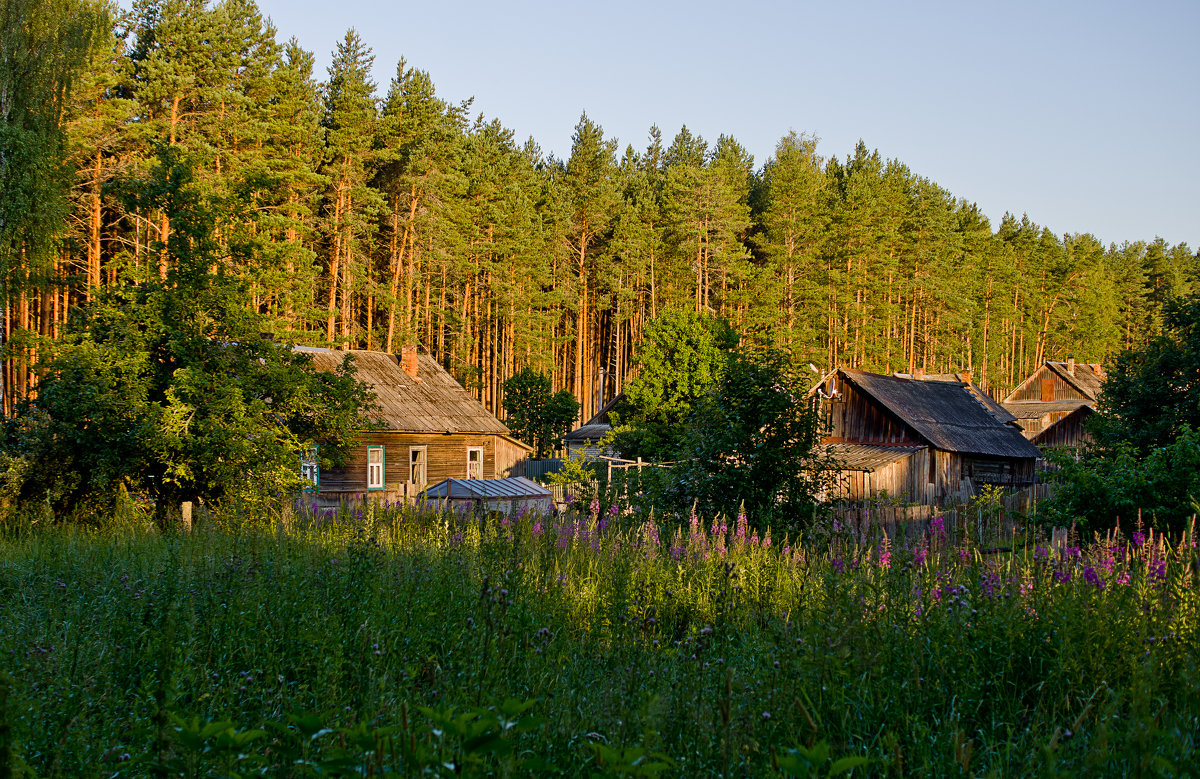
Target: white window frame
{"type": "Point", "coordinates": [471, 449]}
{"type": "Point", "coordinates": [423, 461]}
{"type": "Point", "coordinates": [376, 472]}
{"type": "Point", "coordinates": [310, 469]}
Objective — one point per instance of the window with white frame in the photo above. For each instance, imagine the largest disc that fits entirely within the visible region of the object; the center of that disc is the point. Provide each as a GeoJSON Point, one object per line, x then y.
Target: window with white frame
{"type": "Point", "coordinates": [375, 467]}
{"type": "Point", "coordinates": [310, 469]}
{"type": "Point", "coordinates": [475, 463]}
{"type": "Point", "coordinates": [416, 464]}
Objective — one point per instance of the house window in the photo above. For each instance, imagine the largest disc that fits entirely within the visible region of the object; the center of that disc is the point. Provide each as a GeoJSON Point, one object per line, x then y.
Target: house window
{"type": "Point", "coordinates": [475, 463]}
{"type": "Point", "coordinates": [375, 461]}
{"type": "Point", "coordinates": [310, 469]}
{"type": "Point", "coordinates": [416, 465]}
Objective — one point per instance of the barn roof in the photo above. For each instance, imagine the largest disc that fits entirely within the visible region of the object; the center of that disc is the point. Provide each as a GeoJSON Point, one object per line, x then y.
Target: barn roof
{"type": "Point", "coordinates": [433, 402]}
{"type": "Point", "coordinates": [1033, 409]}
{"type": "Point", "coordinates": [945, 415]}
{"type": "Point", "coordinates": [598, 426]}
{"type": "Point", "coordinates": [993, 406]}
{"type": "Point", "coordinates": [512, 487]}
{"type": "Point", "coordinates": [869, 457]}
{"type": "Point", "coordinates": [1085, 378]}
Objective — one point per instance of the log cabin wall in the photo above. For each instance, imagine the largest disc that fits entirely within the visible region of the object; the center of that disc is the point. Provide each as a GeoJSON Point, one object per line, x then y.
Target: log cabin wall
{"type": "Point", "coordinates": [445, 458]}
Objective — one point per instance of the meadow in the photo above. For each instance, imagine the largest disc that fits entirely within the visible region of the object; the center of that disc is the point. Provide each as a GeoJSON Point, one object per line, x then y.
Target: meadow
{"type": "Point", "coordinates": [400, 643]}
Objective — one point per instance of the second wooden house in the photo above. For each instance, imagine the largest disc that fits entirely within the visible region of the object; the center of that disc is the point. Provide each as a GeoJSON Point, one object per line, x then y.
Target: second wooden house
{"type": "Point", "coordinates": [427, 429]}
{"type": "Point", "coordinates": [1052, 404]}
{"type": "Point", "coordinates": [931, 442]}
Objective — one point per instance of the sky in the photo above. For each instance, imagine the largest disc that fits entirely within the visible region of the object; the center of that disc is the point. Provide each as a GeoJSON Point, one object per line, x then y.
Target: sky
{"type": "Point", "coordinates": [1083, 115]}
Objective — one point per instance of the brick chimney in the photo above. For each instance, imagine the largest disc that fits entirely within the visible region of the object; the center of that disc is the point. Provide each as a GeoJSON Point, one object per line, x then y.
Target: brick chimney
{"type": "Point", "coordinates": [408, 360]}
{"type": "Point", "coordinates": [965, 376]}
{"type": "Point", "coordinates": [1071, 364]}
{"type": "Point", "coordinates": [919, 374]}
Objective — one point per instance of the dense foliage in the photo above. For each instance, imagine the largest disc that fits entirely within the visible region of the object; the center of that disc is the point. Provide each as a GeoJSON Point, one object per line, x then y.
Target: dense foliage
{"type": "Point", "coordinates": [751, 446]}
{"type": "Point", "coordinates": [168, 389]}
{"type": "Point", "coordinates": [536, 415]}
{"type": "Point", "coordinates": [379, 215]}
{"type": "Point", "coordinates": [395, 643]}
{"type": "Point", "coordinates": [1146, 457]}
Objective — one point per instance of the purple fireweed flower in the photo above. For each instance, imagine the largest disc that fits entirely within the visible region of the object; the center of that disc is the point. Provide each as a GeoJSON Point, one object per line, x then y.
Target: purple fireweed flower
{"type": "Point", "coordinates": [885, 558]}
{"type": "Point", "coordinates": [1062, 576]}
{"type": "Point", "coordinates": [1123, 578]}
{"type": "Point", "coordinates": [537, 529]}
{"type": "Point", "coordinates": [569, 498]}
{"type": "Point", "coordinates": [1026, 586]}
{"type": "Point", "coordinates": [613, 510]}
{"type": "Point", "coordinates": [1139, 538]}
{"type": "Point", "coordinates": [937, 526]}
{"type": "Point", "coordinates": [677, 552]}
{"type": "Point", "coordinates": [506, 523]}
{"type": "Point", "coordinates": [1072, 553]}
{"type": "Point", "coordinates": [754, 538]}
{"type": "Point", "coordinates": [1107, 565]}
{"type": "Point", "coordinates": [964, 555]}
{"type": "Point", "coordinates": [838, 564]}
{"type": "Point", "coordinates": [919, 555]}
{"type": "Point", "coordinates": [1091, 577]}
{"type": "Point", "coordinates": [1158, 571]}
{"type": "Point", "coordinates": [1040, 553]}
{"type": "Point", "coordinates": [990, 584]}
{"type": "Point", "coordinates": [601, 524]}
{"type": "Point", "coordinates": [594, 507]}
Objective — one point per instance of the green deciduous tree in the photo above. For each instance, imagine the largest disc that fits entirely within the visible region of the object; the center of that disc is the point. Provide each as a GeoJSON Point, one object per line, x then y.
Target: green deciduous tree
{"type": "Point", "coordinates": [752, 441]}
{"type": "Point", "coordinates": [537, 415]}
{"type": "Point", "coordinates": [167, 387]}
{"type": "Point", "coordinates": [682, 358]}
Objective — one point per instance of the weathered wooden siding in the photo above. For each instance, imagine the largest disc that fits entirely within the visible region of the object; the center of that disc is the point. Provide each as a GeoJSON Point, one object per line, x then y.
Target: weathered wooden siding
{"type": "Point", "coordinates": [1068, 431]}
{"type": "Point", "coordinates": [1055, 389]}
{"type": "Point", "coordinates": [510, 458]}
{"type": "Point", "coordinates": [446, 458]}
{"type": "Point", "coordinates": [852, 416]}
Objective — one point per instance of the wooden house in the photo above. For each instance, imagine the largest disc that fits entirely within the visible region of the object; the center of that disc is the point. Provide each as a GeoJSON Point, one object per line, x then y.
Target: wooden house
{"type": "Point", "coordinates": [921, 441]}
{"type": "Point", "coordinates": [1054, 395]}
{"type": "Point", "coordinates": [428, 428]}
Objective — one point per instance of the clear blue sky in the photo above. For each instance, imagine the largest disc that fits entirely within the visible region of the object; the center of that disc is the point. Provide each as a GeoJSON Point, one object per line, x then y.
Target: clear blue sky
{"type": "Point", "coordinates": [1084, 115]}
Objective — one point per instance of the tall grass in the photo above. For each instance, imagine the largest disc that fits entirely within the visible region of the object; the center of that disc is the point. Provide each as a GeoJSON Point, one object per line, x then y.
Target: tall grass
{"type": "Point", "coordinates": [399, 641]}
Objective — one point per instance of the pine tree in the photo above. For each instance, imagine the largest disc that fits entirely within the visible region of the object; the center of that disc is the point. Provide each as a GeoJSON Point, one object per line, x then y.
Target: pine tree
{"type": "Point", "coordinates": [350, 122]}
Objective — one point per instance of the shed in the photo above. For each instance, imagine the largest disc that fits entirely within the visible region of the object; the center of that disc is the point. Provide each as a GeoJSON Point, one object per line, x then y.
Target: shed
{"type": "Point", "coordinates": [507, 496]}
{"type": "Point", "coordinates": [585, 439]}
{"type": "Point", "coordinates": [426, 428]}
{"type": "Point", "coordinates": [957, 440]}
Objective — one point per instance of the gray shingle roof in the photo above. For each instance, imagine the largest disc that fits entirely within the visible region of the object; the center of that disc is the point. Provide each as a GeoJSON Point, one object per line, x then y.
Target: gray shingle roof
{"type": "Point", "coordinates": [512, 487]}
{"type": "Point", "coordinates": [432, 403]}
{"type": "Point", "coordinates": [869, 457]}
{"type": "Point", "coordinates": [944, 414]}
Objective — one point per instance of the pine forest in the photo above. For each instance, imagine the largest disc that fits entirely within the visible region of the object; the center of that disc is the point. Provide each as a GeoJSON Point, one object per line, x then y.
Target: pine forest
{"type": "Point", "coordinates": [362, 215]}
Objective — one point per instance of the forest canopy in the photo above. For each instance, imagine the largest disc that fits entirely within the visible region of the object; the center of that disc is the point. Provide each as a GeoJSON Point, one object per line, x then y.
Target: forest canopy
{"type": "Point", "coordinates": [366, 215]}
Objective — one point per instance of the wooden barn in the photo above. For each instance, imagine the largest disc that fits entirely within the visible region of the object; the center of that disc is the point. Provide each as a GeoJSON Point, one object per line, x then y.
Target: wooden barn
{"type": "Point", "coordinates": [1048, 405]}
{"type": "Point", "coordinates": [922, 441]}
{"type": "Point", "coordinates": [430, 429]}
{"type": "Point", "coordinates": [1058, 382]}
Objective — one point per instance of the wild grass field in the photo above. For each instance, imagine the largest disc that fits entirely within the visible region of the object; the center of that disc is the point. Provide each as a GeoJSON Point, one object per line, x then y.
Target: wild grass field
{"type": "Point", "coordinates": [404, 643]}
